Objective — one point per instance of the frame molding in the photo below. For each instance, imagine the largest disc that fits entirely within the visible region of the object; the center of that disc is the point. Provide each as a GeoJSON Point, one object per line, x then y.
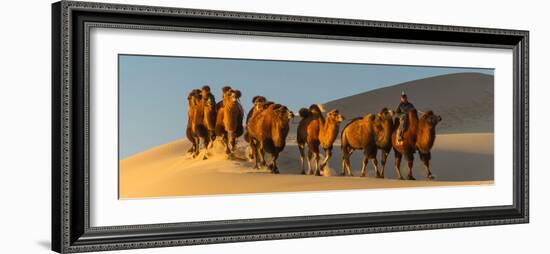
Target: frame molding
{"type": "Point", "coordinates": [71, 22]}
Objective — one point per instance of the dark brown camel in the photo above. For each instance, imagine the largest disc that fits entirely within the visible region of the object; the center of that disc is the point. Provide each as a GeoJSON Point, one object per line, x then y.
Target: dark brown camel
{"type": "Point", "coordinates": [229, 120]}
{"type": "Point", "coordinates": [192, 101]}
{"type": "Point", "coordinates": [419, 136]}
{"type": "Point", "coordinates": [369, 133]}
{"type": "Point", "coordinates": [209, 116]}
{"type": "Point", "coordinates": [267, 132]}
{"type": "Point", "coordinates": [384, 128]}
{"type": "Point", "coordinates": [257, 106]}
{"type": "Point", "coordinates": [196, 130]}
{"type": "Point", "coordinates": [315, 130]}
{"type": "Point", "coordinates": [259, 103]}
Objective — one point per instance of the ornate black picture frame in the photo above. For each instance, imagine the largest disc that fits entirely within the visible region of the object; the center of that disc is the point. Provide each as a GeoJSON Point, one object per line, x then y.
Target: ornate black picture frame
{"type": "Point", "coordinates": [71, 22]}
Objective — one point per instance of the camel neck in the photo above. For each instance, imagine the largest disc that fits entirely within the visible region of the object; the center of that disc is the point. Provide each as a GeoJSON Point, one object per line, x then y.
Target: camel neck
{"type": "Point", "coordinates": [387, 127]}
{"type": "Point", "coordinates": [329, 131]}
{"type": "Point", "coordinates": [413, 119]}
{"type": "Point", "coordinates": [426, 134]}
{"type": "Point", "coordinates": [230, 103]}
{"type": "Point", "coordinates": [279, 130]}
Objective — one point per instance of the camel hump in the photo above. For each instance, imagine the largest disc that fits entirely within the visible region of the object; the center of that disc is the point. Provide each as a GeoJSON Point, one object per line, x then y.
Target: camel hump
{"type": "Point", "coordinates": [304, 112]}
{"type": "Point", "coordinates": [226, 89]}
{"type": "Point", "coordinates": [315, 109]}
{"type": "Point", "coordinates": [219, 105]}
{"type": "Point", "coordinates": [370, 117]}
{"type": "Point", "coordinates": [351, 122]}
{"type": "Point", "coordinates": [267, 104]}
{"type": "Point", "coordinates": [259, 99]}
{"type": "Point", "coordinates": [209, 96]}
{"type": "Point", "coordinates": [274, 106]}
{"type": "Point", "coordinates": [193, 93]}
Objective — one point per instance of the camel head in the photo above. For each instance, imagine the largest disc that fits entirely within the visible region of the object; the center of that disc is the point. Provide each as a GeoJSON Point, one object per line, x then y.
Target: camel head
{"type": "Point", "coordinates": [334, 115]}
{"type": "Point", "coordinates": [384, 120]}
{"type": "Point", "coordinates": [267, 104]}
{"type": "Point", "coordinates": [209, 100]}
{"type": "Point", "coordinates": [234, 95]}
{"type": "Point", "coordinates": [430, 118]}
{"type": "Point", "coordinates": [282, 112]}
{"type": "Point", "coordinates": [258, 99]}
{"type": "Point", "coordinates": [205, 90]}
{"type": "Point", "coordinates": [194, 97]}
{"type": "Point", "coordinates": [230, 95]}
{"type": "Point", "coordinates": [315, 109]}
{"type": "Point", "coordinates": [385, 114]}
{"type": "Point", "coordinates": [225, 92]}
{"type": "Point", "coordinates": [225, 89]}
{"type": "Point", "coordinates": [258, 103]}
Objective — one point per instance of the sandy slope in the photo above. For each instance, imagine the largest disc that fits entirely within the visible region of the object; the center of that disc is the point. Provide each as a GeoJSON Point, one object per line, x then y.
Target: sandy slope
{"type": "Point", "coordinates": [167, 170]}
{"type": "Point", "coordinates": [464, 100]}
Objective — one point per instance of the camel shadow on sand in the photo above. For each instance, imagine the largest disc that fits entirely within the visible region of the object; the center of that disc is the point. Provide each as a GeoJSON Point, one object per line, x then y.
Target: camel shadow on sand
{"type": "Point", "coordinates": [446, 165]}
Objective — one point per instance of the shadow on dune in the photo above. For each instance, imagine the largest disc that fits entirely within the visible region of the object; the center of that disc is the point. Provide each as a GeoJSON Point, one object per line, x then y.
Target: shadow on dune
{"type": "Point", "coordinates": [446, 165]}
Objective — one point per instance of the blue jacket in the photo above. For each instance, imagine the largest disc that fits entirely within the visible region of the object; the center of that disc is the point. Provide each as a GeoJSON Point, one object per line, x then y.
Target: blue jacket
{"type": "Point", "coordinates": [404, 107]}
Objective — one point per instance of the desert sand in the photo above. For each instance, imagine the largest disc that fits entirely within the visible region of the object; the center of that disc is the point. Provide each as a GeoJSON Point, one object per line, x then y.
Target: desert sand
{"type": "Point", "coordinates": [167, 170]}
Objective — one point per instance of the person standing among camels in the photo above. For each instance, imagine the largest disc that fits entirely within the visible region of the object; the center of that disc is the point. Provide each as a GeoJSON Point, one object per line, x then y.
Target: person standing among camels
{"type": "Point", "coordinates": [402, 111]}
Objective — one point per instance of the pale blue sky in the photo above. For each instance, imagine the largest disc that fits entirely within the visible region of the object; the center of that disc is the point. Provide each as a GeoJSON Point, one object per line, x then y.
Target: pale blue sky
{"type": "Point", "coordinates": [153, 89]}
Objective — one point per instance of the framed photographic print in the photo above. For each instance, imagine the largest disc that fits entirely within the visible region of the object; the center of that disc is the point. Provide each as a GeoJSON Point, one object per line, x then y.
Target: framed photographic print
{"type": "Point", "coordinates": [181, 126]}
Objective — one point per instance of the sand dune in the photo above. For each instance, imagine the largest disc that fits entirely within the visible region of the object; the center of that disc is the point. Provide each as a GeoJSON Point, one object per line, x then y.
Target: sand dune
{"type": "Point", "coordinates": [464, 100]}
{"type": "Point", "coordinates": [167, 170]}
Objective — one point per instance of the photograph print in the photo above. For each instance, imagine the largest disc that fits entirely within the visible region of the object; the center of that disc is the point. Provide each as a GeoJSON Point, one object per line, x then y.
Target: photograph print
{"type": "Point", "coordinates": [217, 126]}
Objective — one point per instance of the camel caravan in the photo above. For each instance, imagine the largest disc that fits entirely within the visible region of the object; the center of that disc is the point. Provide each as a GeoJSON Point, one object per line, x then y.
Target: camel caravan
{"type": "Point", "coordinates": [267, 126]}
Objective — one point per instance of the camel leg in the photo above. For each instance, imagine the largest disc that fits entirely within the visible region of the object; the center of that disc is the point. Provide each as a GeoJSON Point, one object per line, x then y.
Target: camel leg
{"type": "Point", "coordinates": [302, 158]}
{"type": "Point", "coordinates": [226, 143]}
{"type": "Point", "coordinates": [397, 164]}
{"type": "Point", "coordinates": [274, 168]}
{"type": "Point", "coordinates": [374, 162]}
{"type": "Point", "coordinates": [232, 142]}
{"type": "Point", "coordinates": [344, 156]}
{"type": "Point", "coordinates": [410, 160]}
{"type": "Point", "coordinates": [212, 138]}
{"type": "Point", "coordinates": [383, 158]}
{"type": "Point", "coordinates": [348, 163]}
{"type": "Point", "coordinates": [313, 151]}
{"type": "Point", "coordinates": [328, 154]}
{"type": "Point", "coordinates": [197, 147]}
{"type": "Point", "coordinates": [364, 166]}
{"type": "Point", "coordinates": [251, 153]}
{"type": "Point", "coordinates": [260, 154]}
{"type": "Point", "coordinates": [309, 158]}
{"type": "Point", "coordinates": [317, 164]}
{"type": "Point", "coordinates": [192, 148]}
{"type": "Point", "coordinates": [254, 150]}
{"type": "Point", "coordinates": [426, 161]}
{"type": "Point", "coordinates": [427, 170]}
{"type": "Point", "coordinates": [343, 165]}
{"type": "Point", "coordinates": [206, 141]}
